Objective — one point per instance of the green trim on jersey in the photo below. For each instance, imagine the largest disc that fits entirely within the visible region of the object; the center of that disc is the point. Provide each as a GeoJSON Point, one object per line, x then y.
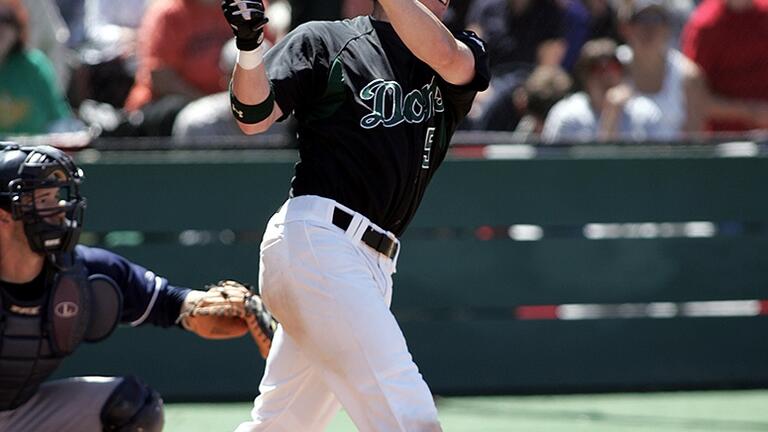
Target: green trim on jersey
{"type": "Point", "coordinates": [335, 93]}
{"type": "Point", "coordinates": [373, 121]}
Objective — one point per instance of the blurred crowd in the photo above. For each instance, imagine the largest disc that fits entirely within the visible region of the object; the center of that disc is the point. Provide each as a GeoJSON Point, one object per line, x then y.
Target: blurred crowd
{"type": "Point", "coordinates": [563, 70]}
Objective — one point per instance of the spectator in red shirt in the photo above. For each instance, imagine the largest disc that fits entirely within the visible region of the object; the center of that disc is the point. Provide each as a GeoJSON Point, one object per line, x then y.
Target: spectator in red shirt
{"type": "Point", "coordinates": [179, 46]}
{"type": "Point", "coordinates": [729, 41]}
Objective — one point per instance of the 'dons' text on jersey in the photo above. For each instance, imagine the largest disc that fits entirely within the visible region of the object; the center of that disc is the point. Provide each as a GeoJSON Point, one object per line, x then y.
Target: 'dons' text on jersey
{"type": "Point", "coordinates": [374, 122]}
{"type": "Point", "coordinates": [389, 107]}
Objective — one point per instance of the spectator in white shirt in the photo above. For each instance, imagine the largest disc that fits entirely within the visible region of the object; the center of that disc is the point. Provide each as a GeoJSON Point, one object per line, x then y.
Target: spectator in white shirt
{"type": "Point", "coordinates": [576, 118]}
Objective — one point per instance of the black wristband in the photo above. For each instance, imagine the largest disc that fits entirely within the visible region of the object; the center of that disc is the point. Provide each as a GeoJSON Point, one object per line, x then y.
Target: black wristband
{"type": "Point", "coordinates": [252, 114]}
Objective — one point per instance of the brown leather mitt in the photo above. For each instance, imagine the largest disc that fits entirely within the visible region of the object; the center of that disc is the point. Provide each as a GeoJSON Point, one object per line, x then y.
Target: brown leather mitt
{"type": "Point", "coordinates": [228, 310]}
{"type": "Point", "coordinates": [261, 324]}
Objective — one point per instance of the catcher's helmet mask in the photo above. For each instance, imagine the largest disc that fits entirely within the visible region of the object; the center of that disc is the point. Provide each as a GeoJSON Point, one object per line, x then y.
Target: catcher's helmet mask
{"type": "Point", "coordinates": [26, 173]}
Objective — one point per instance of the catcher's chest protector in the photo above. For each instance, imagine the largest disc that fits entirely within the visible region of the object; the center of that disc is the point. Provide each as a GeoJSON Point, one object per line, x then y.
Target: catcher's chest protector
{"type": "Point", "coordinates": [36, 337]}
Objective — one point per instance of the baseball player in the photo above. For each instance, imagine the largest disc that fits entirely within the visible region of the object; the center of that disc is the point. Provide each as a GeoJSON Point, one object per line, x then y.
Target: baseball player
{"type": "Point", "coordinates": [377, 99]}
{"type": "Point", "coordinates": [55, 295]}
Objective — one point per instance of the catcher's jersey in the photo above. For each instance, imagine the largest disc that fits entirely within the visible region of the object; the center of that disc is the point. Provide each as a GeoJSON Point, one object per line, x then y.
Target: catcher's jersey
{"type": "Point", "coordinates": [147, 298]}
{"type": "Point", "coordinates": [374, 122]}
{"type": "Point", "coordinates": [29, 338]}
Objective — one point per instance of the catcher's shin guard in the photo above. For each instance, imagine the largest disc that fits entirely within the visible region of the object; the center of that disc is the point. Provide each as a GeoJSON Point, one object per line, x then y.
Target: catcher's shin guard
{"type": "Point", "coordinates": [133, 406]}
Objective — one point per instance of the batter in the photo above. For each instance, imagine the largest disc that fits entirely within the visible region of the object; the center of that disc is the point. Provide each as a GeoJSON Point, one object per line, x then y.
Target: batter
{"type": "Point", "coordinates": [377, 99]}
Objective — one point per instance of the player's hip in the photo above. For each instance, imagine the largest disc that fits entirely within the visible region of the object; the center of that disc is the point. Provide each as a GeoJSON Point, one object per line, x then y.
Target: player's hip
{"type": "Point", "coordinates": [301, 247]}
{"type": "Point", "coordinates": [308, 264]}
{"type": "Point", "coordinates": [333, 226]}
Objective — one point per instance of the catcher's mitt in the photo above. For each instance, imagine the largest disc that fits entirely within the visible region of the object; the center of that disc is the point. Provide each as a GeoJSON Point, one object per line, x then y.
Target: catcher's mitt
{"type": "Point", "coordinates": [227, 310]}
{"type": "Point", "coordinates": [261, 324]}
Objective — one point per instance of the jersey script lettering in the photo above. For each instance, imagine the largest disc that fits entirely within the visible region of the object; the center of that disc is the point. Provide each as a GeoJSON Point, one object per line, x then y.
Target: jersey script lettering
{"type": "Point", "coordinates": [389, 107]}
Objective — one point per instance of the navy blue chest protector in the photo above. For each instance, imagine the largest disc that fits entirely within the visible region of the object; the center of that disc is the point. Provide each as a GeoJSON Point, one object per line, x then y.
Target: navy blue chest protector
{"type": "Point", "coordinates": [35, 337]}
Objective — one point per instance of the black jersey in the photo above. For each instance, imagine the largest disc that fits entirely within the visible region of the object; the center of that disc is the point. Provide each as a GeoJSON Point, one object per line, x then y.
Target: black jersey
{"type": "Point", "coordinates": [374, 122]}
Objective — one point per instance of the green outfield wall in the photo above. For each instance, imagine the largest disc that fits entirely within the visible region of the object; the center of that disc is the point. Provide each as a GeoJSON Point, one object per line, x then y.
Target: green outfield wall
{"type": "Point", "coordinates": [567, 272]}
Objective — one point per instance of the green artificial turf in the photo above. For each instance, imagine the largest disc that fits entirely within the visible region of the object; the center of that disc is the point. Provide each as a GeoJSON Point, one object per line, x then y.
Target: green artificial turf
{"type": "Point", "coordinates": [721, 411]}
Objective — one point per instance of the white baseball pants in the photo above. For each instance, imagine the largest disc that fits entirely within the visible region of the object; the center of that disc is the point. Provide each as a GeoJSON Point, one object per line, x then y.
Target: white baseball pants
{"type": "Point", "coordinates": [337, 343]}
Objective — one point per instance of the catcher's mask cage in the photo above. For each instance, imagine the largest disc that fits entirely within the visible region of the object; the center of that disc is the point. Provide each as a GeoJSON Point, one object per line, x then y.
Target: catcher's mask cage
{"type": "Point", "coordinates": [40, 186]}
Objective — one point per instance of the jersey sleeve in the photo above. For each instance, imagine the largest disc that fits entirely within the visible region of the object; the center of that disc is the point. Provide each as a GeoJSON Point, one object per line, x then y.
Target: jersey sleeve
{"type": "Point", "coordinates": [460, 98]}
{"type": "Point", "coordinates": [297, 68]}
{"type": "Point", "coordinates": [147, 298]}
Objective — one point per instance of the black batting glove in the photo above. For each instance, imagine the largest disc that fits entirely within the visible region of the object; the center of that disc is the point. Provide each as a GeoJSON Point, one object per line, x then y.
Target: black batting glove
{"type": "Point", "coordinates": [246, 17]}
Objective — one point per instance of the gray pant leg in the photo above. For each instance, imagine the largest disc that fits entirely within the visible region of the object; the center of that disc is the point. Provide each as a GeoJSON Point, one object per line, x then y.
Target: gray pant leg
{"type": "Point", "coordinates": [68, 405]}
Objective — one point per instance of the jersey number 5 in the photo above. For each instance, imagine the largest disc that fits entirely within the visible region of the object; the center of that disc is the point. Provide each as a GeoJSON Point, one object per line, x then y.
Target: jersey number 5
{"type": "Point", "coordinates": [428, 147]}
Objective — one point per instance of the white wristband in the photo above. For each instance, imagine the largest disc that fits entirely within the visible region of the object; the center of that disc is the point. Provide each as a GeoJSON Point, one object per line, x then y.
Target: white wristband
{"type": "Point", "coordinates": [250, 59]}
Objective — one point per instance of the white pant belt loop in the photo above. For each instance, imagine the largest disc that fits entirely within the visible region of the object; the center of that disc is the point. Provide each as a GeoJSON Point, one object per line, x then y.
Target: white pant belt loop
{"type": "Point", "coordinates": [357, 227]}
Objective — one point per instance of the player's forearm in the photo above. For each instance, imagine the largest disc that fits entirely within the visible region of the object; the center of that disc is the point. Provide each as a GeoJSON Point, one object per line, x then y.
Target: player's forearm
{"type": "Point", "coordinates": [252, 101]}
{"type": "Point", "coordinates": [251, 87]}
{"type": "Point", "coordinates": [424, 34]}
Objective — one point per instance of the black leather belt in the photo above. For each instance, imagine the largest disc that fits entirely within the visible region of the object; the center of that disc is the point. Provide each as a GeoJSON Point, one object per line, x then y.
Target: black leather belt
{"type": "Point", "coordinates": [378, 241]}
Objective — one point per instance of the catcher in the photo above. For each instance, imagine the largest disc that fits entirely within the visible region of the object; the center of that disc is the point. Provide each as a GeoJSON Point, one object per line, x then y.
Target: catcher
{"type": "Point", "coordinates": [55, 294]}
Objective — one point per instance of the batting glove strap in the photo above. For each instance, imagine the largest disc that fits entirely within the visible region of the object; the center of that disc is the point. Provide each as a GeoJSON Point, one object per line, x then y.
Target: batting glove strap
{"type": "Point", "coordinates": [251, 114]}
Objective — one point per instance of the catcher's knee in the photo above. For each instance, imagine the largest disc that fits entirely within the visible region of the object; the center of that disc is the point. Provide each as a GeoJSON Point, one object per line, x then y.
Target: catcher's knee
{"type": "Point", "coordinates": [133, 406]}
